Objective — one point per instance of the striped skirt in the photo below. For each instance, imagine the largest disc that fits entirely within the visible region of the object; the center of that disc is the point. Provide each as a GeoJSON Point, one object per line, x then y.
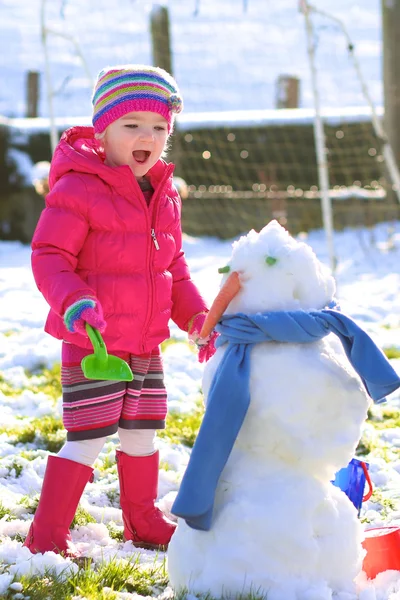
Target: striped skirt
{"type": "Point", "coordinates": [93, 409]}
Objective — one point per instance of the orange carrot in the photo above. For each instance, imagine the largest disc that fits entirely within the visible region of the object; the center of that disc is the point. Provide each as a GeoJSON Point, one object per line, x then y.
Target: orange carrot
{"type": "Point", "coordinates": [220, 304]}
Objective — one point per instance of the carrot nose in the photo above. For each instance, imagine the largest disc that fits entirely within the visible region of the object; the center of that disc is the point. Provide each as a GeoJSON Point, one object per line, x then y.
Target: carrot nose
{"type": "Point", "coordinates": [220, 304]}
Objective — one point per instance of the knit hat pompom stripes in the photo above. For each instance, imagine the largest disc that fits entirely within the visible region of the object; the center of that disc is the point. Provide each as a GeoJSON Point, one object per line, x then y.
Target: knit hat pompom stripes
{"type": "Point", "coordinates": [130, 88]}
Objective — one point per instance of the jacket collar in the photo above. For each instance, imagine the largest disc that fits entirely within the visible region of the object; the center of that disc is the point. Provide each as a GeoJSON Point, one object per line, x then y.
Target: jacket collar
{"type": "Point", "coordinates": [79, 151]}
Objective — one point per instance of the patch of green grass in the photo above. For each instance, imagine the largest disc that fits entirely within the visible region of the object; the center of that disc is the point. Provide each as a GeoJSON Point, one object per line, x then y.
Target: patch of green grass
{"type": "Point", "coordinates": [376, 497]}
{"type": "Point", "coordinates": [96, 582]}
{"type": "Point", "coordinates": [113, 496]}
{"type": "Point", "coordinates": [6, 512]}
{"type": "Point", "coordinates": [116, 531]}
{"type": "Point", "coordinates": [45, 587]}
{"type": "Point", "coordinates": [388, 419]}
{"type": "Point", "coordinates": [370, 414]}
{"type": "Point", "coordinates": [170, 341]}
{"type": "Point", "coordinates": [47, 381]}
{"type": "Point", "coordinates": [6, 388]}
{"type": "Point", "coordinates": [47, 432]}
{"type": "Point", "coordinates": [29, 454]}
{"type": "Point", "coordinates": [133, 578]}
{"type": "Point", "coordinates": [251, 595]}
{"type": "Point", "coordinates": [380, 419]}
{"type": "Point", "coordinates": [182, 428]}
{"type": "Point", "coordinates": [16, 468]}
{"type": "Point", "coordinates": [378, 449]}
{"type": "Point", "coordinates": [392, 352]}
{"type": "Point", "coordinates": [107, 464]}
{"type": "Point", "coordinates": [387, 505]}
{"type": "Point", "coordinates": [82, 517]}
{"type": "Point", "coordinates": [30, 503]}
{"type": "Point", "coordinates": [165, 466]}
{"type": "Point", "coordinates": [9, 332]}
{"type": "Point", "coordinates": [366, 446]}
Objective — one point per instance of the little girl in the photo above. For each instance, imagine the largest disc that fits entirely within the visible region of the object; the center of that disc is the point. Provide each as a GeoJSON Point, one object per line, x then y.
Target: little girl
{"type": "Point", "coordinates": [108, 251]}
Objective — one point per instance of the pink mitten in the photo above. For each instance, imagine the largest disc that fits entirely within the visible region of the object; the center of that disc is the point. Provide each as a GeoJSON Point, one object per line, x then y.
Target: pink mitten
{"type": "Point", "coordinates": [208, 350]}
{"type": "Point", "coordinates": [85, 310]}
{"type": "Point", "coordinates": [205, 345]}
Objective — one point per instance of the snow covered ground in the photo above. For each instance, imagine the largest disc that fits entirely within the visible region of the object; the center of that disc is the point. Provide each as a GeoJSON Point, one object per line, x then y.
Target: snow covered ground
{"type": "Point", "coordinates": [368, 279]}
{"type": "Point", "coordinates": [227, 56]}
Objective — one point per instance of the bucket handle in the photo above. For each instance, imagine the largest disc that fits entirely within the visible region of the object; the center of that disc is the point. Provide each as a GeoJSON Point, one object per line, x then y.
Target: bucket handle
{"type": "Point", "coordinates": [368, 479]}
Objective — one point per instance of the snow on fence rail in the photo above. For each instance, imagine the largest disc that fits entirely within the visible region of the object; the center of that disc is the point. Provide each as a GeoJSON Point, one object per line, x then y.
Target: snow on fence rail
{"type": "Point", "coordinates": [241, 168]}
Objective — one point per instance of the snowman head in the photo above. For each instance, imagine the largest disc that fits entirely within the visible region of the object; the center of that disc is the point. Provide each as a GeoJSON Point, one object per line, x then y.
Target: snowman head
{"type": "Point", "coordinates": [271, 271]}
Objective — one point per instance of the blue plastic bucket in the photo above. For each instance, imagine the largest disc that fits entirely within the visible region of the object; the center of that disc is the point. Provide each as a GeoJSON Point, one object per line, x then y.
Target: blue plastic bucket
{"type": "Point", "coordinates": [351, 480]}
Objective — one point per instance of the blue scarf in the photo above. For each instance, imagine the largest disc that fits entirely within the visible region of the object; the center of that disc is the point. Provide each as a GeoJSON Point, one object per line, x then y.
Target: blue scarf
{"type": "Point", "coordinates": [229, 395]}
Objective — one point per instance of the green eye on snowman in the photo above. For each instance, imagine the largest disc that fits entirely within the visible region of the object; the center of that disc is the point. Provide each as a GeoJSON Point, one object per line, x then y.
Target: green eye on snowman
{"type": "Point", "coordinates": [225, 269]}
{"type": "Point", "coordinates": [271, 260]}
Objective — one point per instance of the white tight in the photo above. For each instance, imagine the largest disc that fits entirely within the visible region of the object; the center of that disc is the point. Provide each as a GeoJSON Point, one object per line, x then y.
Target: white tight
{"type": "Point", "coordinates": [135, 442]}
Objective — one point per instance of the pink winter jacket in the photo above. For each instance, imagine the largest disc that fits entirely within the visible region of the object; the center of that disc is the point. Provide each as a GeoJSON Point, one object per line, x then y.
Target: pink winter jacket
{"type": "Point", "coordinates": [97, 237]}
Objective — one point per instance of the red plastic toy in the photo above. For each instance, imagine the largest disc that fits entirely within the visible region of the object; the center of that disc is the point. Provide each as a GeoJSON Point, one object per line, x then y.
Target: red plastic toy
{"type": "Point", "coordinates": [383, 550]}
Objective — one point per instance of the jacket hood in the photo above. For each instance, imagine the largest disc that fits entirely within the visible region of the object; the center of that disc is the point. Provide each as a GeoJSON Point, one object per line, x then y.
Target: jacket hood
{"type": "Point", "coordinates": [79, 151]}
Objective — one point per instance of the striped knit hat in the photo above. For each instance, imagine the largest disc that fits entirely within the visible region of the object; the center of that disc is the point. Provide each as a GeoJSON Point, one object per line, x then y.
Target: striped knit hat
{"type": "Point", "coordinates": [127, 88]}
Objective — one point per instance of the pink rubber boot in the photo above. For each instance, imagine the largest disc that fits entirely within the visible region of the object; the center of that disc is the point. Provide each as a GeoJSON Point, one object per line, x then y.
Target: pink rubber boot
{"type": "Point", "coordinates": [63, 485]}
{"type": "Point", "coordinates": [144, 523]}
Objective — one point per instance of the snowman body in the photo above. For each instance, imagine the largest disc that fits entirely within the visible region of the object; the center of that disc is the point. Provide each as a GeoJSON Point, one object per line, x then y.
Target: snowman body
{"type": "Point", "coordinates": [279, 526]}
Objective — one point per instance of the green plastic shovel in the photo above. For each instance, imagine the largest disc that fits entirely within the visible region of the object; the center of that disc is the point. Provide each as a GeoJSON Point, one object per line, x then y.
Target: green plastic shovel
{"type": "Point", "coordinates": [102, 365]}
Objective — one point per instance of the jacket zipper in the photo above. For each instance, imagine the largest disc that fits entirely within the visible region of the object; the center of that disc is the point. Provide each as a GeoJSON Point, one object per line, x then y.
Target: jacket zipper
{"type": "Point", "coordinates": [153, 235]}
{"type": "Point", "coordinates": [154, 202]}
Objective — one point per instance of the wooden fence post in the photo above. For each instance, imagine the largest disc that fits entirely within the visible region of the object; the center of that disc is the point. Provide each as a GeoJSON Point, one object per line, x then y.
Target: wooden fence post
{"type": "Point", "coordinates": [160, 37]}
{"type": "Point", "coordinates": [287, 92]}
{"type": "Point", "coordinates": [162, 57]}
{"type": "Point", "coordinates": [32, 94]}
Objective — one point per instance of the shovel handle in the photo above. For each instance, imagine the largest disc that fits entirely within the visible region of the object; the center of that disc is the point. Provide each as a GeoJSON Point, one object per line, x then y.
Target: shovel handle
{"type": "Point", "coordinates": [98, 344]}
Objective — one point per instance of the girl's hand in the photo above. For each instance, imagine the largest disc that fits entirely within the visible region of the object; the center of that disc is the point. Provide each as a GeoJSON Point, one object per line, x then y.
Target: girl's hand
{"type": "Point", "coordinates": [85, 310]}
{"type": "Point", "coordinates": [206, 351]}
{"type": "Point", "coordinates": [205, 345]}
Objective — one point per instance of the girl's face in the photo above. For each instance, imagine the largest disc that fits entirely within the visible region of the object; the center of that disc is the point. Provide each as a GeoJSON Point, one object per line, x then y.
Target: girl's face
{"type": "Point", "coordinates": [137, 139]}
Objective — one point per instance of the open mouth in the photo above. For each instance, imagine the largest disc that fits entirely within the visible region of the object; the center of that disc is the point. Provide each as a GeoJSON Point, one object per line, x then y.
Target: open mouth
{"type": "Point", "coordinates": [141, 156]}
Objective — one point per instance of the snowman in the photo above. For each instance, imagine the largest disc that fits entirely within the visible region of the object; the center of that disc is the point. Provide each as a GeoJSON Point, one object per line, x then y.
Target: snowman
{"type": "Point", "coordinates": [258, 512]}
